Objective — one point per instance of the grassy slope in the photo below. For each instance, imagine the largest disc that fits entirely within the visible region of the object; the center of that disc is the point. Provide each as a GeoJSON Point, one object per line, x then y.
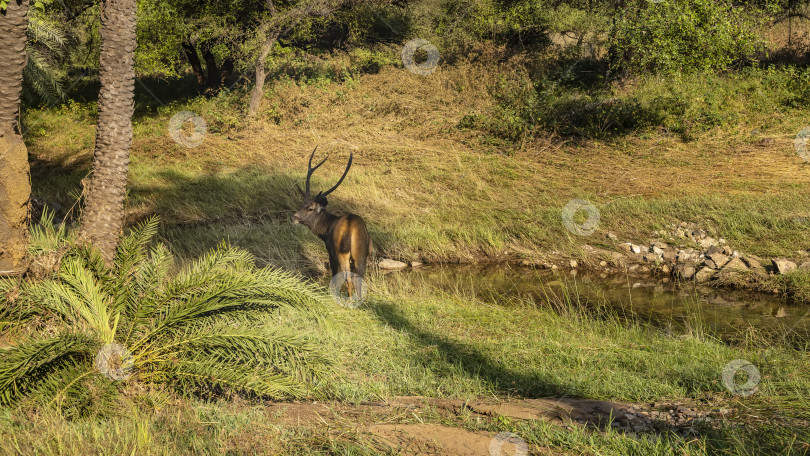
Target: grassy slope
{"type": "Point", "coordinates": [430, 190]}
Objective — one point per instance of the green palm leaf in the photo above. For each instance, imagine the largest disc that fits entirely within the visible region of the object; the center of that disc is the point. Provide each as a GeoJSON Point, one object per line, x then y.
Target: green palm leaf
{"type": "Point", "coordinates": [202, 330]}
{"type": "Point", "coordinates": [32, 361]}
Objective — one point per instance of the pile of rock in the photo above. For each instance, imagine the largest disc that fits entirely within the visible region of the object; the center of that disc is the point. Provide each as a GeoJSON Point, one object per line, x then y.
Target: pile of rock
{"type": "Point", "coordinates": [705, 259]}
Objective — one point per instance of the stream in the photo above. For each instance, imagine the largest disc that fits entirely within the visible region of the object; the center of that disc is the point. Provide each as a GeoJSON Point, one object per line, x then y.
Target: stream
{"type": "Point", "coordinates": [677, 307]}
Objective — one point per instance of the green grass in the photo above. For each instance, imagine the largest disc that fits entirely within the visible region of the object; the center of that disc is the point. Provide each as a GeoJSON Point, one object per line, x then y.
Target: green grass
{"type": "Point", "coordinates": [411, 340]}
{"type": "Point", "coordinates": [433, 192]}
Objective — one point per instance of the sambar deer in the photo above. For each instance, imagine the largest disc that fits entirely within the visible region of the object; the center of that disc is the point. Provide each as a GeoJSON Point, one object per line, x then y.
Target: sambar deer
{"type": "Point", "coordinates": [346, 237]}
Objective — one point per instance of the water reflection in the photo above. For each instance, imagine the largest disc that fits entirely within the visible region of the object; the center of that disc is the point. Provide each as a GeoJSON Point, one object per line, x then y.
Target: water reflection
{"type": "Point", "coordinates": [677, 307]}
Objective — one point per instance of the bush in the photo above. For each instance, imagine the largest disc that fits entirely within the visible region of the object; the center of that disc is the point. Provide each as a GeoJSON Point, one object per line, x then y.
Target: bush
{"type": "Point", "coordinates": [202, 330]}
{"type": "Point", "coordinates": [685, 36]}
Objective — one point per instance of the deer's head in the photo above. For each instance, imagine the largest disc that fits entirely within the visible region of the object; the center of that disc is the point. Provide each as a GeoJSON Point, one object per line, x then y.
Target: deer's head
{"type": "Point", "coordinates": [313, 208]}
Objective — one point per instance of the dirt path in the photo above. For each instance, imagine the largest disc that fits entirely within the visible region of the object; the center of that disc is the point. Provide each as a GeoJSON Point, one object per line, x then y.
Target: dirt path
{"type": "Point", "coordinates": [404, 423]}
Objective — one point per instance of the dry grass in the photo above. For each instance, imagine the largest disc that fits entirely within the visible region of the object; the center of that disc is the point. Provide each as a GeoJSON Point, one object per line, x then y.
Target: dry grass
{"type": "Point", "coordinates": [431, 190]}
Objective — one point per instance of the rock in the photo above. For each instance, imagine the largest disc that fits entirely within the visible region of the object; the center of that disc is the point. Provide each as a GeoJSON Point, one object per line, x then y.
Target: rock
{"type": "Point", "coordinates": [650, 257]}
{"type": "Point", "coordinates": [783, 266]}
{"type": "Point", "coordinates": [611, 236]}
{"type": "Point", "coordinates": [603, 263]}
{"type": "Point", "coordinates": [684, 256]}
{"type": "Point", "coordinates": [416, 264]}
{"type": "Point", "coordinates": [707, 242]}
{"type": "Point", "coordinates": [388, 263]}
{"type": "Point", "coordinates": [805, 265]}
{"type": "Point", "coordinates": [704, 274]}
{"type": "Point", "coordinates": [697, 234]}
{"type": "Point", "coordinates": [573, 264]}
{"type": "Point", "coordinates": [666, 269]}
{"type": "Point", "coordinates": [669, 255]}
{"type": "Point", "coordinates": [635, 248]}
{"type": "Point", "coordinates": [721, 241]}
{"type": "Point", "coordinates": [735, 264]}
{"type": "Point", "coordinates": [626, 246]}
{"type": "Point", "coordinates": [719, 259]}
{"type": "Point", "coordinates": [657, 250]}
{"type": "Point", "coordinates": [710, 264]}
{"type": "Point", "coordinates": [714, 249]}
{"type": "Point", "coordinates": [752, 263]}
{"type": "Point", "coordinates": [727, 250]}
{"type": "Point", "coordinates": [685, 271]}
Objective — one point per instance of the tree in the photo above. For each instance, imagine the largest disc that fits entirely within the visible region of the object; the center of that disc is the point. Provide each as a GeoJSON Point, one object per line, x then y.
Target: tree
{"type": "Point", "coordinates": [105, 189]}
{"type": "Point", "coordinates": [271, 30]}
{"type": "Point", "coordinates": [15, 186]}
{"type": "Point", "coordinates": [279, 24]}
{"type": "Point", "coordinates": [211, 36]}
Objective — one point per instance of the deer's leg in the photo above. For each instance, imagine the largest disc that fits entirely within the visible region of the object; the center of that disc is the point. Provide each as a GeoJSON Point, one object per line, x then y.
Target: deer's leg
{"type": "Point", "coordinates": [344, 264]}
{"type": "Point", "coordinates": [333, 263]}
{"type": "Point", "coordinates": [360, 267]}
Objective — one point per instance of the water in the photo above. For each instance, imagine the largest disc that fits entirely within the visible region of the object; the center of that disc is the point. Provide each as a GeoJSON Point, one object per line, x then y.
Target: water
{"type": "Point", "coordinates": [678, 307]}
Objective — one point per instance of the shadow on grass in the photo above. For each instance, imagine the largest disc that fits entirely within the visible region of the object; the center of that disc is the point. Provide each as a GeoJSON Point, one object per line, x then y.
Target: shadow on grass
{"type": "Point", "coordinates": [249, 208]}
{"type": "Point", "coordinates": [503, 379]}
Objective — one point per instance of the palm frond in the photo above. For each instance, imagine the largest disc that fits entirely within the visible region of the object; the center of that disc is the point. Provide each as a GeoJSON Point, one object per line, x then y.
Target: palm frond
{"type": "Point", "coordinates": [46, 237]}
{"type": "Point", "coordinates": [239, 342]}
{"type": "Point", "coordinates": [130, 254]}
{"type": "Point", "coordinates": [79, 298]}
{"type": "Point", "coordinates": [40, 82]}
{"type": "Point", "coordinates": [199, 375]}
{"type": "Point", "coordinates": [43, 31]}
{"type": "Point", "coordinates": [225, 281]}
{"type": "Point", "coordinates": [32, 361]}
{"type": "Point", "coordinates": [203, 330]}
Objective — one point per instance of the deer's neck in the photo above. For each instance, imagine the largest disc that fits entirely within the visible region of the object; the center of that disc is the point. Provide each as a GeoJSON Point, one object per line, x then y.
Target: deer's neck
{"type": "Point", "coordinates": [322, 226]}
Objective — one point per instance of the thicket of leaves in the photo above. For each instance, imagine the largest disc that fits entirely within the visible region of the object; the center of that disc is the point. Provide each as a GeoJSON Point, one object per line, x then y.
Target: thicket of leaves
{"type": "Point", "coordinates": [202, 330]}
{"type": "Point", "coordinates": [686, 36]}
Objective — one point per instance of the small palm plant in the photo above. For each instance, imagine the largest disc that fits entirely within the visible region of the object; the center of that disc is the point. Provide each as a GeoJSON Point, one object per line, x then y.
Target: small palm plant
{"type": "Point", "coordinates": [88, 333]}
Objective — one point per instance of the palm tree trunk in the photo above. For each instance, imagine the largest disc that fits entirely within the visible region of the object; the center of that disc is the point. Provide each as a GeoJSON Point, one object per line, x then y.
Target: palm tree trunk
{"type": "Point", "coordinates": [103, 216]}
{"type": "Point", "coordinates": [15, 185]}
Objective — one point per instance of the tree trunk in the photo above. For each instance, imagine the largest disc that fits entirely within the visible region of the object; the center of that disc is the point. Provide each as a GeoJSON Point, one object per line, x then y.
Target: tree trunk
{"type": "Point", "coordinates": [15, 185]}
{"type": "Point", "coordinates": [212, 78]}
{"type": "Point", "coordinates": [258, 88]}
{"type": "Point", "coordinates": [103, 216]}
{"type": "Point", "coordinates": [196, 66]}
{"type": "Point", "coordinates": [225, 71]}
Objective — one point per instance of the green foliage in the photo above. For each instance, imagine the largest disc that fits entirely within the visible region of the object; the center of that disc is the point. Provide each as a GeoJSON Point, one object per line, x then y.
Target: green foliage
{"type": "Point", "coordinates": [683, 104]}
{"type": "Point", "coordinates": [46, 45]}
{"type": "Point", "coordinates": [685, 36]}
{"type": "Point", "coordinates": [201, 330]}
{"type": "Point", "coordinates": [228, 28]}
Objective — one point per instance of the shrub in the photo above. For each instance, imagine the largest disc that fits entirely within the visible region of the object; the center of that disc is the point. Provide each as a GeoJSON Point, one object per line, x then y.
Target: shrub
{"type": "Point", "coordinates": [201, 330]}
{"type": "Point", "coordinates": [685, 36]}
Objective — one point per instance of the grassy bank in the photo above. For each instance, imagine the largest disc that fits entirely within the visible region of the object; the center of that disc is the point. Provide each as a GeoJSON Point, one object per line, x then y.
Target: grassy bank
{"type": "Point", "coordinates": [410, 340]}
{"type": "Point", "coordinates": [718, 152]}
